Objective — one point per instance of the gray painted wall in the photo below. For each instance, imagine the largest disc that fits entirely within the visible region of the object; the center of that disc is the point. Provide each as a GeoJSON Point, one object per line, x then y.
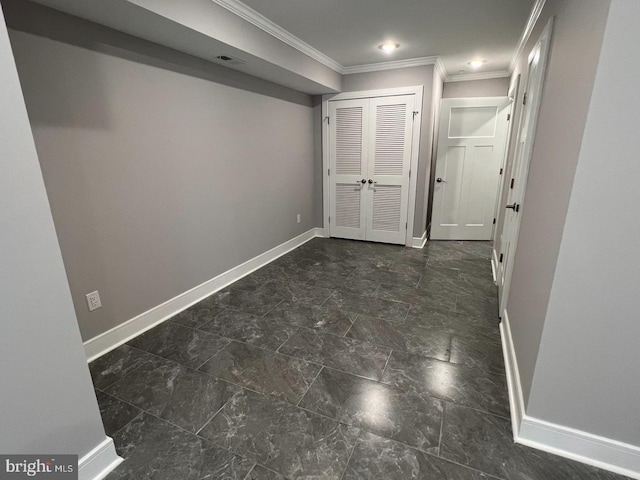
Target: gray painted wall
{"type": "Point", "coordinates": [574, 54]}
{"type": "Point", "coordinates": [48, 404]}
{"type": "Point", "coordinates": [406, 77]}
{"type": "Point", "coordinates": [160, 173]}
{"type": "Point", "coordinates": [587, 369]}
{"type": "Point", "coordinates": [493, 87]}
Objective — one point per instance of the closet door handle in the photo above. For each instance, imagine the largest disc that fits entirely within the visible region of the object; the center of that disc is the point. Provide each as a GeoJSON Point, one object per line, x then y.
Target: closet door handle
{"type": "Point", "coordinates": [363, 181]}
{"type": "Point", "coordinates": [371, 181]}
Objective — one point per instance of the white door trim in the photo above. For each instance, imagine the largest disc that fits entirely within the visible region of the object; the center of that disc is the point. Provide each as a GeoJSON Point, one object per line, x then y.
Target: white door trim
{"type": "Point", "coordinates": [415, 149]}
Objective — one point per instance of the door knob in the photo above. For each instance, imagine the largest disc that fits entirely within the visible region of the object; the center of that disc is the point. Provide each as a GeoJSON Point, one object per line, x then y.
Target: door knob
{"type": "Point", "coordinates": [515, 207]}
{"type": "Point", "coordinates": [439, 180]}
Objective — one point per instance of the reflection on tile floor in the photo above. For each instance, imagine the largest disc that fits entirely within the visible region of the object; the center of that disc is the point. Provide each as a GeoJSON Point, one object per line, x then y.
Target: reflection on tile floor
{"type": "Point", "coordinates": [340, 360]}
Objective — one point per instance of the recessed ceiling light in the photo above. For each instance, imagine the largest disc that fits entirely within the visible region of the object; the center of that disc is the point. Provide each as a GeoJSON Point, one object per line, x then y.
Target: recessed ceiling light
{"type": "Point", "coordinates": [476, 63]}
{"type": "Point", "coordinates": [388, 47]}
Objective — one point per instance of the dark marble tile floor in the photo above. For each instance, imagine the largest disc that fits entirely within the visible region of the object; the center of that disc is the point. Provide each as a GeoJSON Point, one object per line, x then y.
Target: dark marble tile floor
{"type": "Point", "coordinates": [339, 360]}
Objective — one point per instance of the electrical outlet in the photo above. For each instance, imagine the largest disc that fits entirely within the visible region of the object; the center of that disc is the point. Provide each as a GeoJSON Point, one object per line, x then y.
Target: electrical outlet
{"type": "Point", "coordinates": [93, 300]}
{"type": "Point", "coordinates": [298, 218]}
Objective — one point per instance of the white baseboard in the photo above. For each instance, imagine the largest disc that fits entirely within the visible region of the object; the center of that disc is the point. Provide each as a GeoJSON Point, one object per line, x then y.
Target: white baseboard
{"type": "Point", "coordinates": [494, 271]}
{"type": "Point", "coordinates": [419, 242]}
{"type": "Point", "coordinates": [516, 398]}
{"type": "Point", "coordinates": [601, 452]}
{"type": "Point", "coordinates": [124, 332]}
{"type": "Point", "coordinates": [99, 462]}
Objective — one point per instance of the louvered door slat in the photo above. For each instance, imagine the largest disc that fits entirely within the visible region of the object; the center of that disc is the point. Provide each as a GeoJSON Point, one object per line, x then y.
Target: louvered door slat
{"type": "Point", "coordinates": [387, 207]}
{"type": "Point", "coordinates": [390, 139]}
{"type": "Point", "coordinates": [348, 206]}
{"type": "Point", "coordinates": [349, 141]}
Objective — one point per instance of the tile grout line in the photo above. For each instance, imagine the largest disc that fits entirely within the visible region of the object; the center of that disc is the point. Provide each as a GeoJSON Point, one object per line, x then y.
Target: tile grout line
{"type": "Point", "coordinates": [310, 385]}
{"type": "Point", "coordinates": [295, 331]}
{"type": "Point", "coordinates": [351, 326]}
{"type": "Point", "coordinates": [386, 364]}
{"type": "Point", "coordinates": [140, 411]}
{"type": "Point", "coordinates": [353, 449]}
{"type": "Point", "coordinates": [444, 408]}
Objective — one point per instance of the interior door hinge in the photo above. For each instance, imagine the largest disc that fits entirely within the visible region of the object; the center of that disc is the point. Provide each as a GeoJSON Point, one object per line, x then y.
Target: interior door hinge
{"type": "Point", "coordinates": [328, 120]}
{"type": "Point", "coordinates": [328, 172]}
{"type": "Point", "coordinates": [494, 221]}
{"type": "Point", "coordinates": [415, 112]}
{"type": "Point", "coordinates": [406, 225]}
{"type": "Point", "coordinates": [508, 117]}
{"type": "Point", "coordinates": [501, 170]}
{"type": "Point", "coordinates": [513, 180]}
{"type": "Point", "coordinates": [409, 173]}
{"type": "Point", "coordinates": [524, 100]}
{"type": "Point", "coordinates": [501, 257]}
{"type": "Point", "coordinates": [329, 218]}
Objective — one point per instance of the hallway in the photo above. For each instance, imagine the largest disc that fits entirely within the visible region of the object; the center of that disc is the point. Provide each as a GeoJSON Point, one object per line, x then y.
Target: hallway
{"type": "Point", "coordinates": [339, 360]}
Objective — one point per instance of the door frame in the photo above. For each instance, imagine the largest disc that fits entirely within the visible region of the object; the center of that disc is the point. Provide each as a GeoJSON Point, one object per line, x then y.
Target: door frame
{"type": "Point", "coordinates": [415, 149]}
{"type": "Point", "coordinates": [543, 46]}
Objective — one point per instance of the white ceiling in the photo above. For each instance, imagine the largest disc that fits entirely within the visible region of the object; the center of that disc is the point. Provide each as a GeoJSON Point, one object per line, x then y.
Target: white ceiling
{"type": "Point", "coordinates": [349, 31]}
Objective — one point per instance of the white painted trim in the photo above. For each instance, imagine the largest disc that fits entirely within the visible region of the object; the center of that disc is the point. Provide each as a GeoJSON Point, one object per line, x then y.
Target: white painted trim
{"type": "Point", "coordinates": [124, 332]}
{"type": "Point", "coordinates": [415, 150]}
{"type": "Point", "coordinates": [382, 92]}
{"type": "Point", "coordinates": [326, 187]}
{"type": "Point", "coordinates": [494, 264]}
{"type": "Point", "coordinates": [465, 77]}
{"type": "Point", "coordinates": [442, 70]}
{"type": "Point", "coordinates": [494, 268]}
{"type": "Point", "coordinates": [99, 462]}
{"type": "Point", "coordinates": [585, 447]}
{"type": "Point", "coordinates": [263, 23]}
{"type": "Point", "coordinates": [516, 398]}
{"type": "Point", "coordinates": [392, 65]}
{"type": "Point", "coordinates": [601, 452]}
{"type": "Point", "coordinates": [419, 242]}
{"type": "Point", "coordinates": [536, 10]}
{"type": "Point", "coordinates": [415, 153]}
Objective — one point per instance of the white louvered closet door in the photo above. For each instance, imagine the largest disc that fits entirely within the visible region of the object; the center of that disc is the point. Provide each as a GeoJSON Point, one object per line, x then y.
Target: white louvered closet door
{"type": "Point", "coordinates": [348, 129]}
{"type": "Point", "coordinates": [389, 161]}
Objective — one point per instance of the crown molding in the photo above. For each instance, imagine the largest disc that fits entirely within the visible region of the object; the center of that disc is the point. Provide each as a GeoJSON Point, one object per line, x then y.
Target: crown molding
{"type": "Point", "coordinates": [250, 15]}
{"type": "Point", "coordinates": [526, 33]}
{"type": "Point", "coordinates": [255, 18]}
{"type": "Point", "coordinates": [376, 67]}
{"type": "Point", "coordinates": [442, 70]}
{"type": "Point", "coordinates": [464, 77]}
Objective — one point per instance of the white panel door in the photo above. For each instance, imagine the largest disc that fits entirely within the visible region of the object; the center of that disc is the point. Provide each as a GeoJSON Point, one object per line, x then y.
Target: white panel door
{"type": "Point", "coordinates": [520, 172]}
{"type": "Point", "coordinates": [471, 148]}
{"type": "Point", "coordinates": [349, 130]}
{"type": "Point", "coordinates": [390, 134]}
